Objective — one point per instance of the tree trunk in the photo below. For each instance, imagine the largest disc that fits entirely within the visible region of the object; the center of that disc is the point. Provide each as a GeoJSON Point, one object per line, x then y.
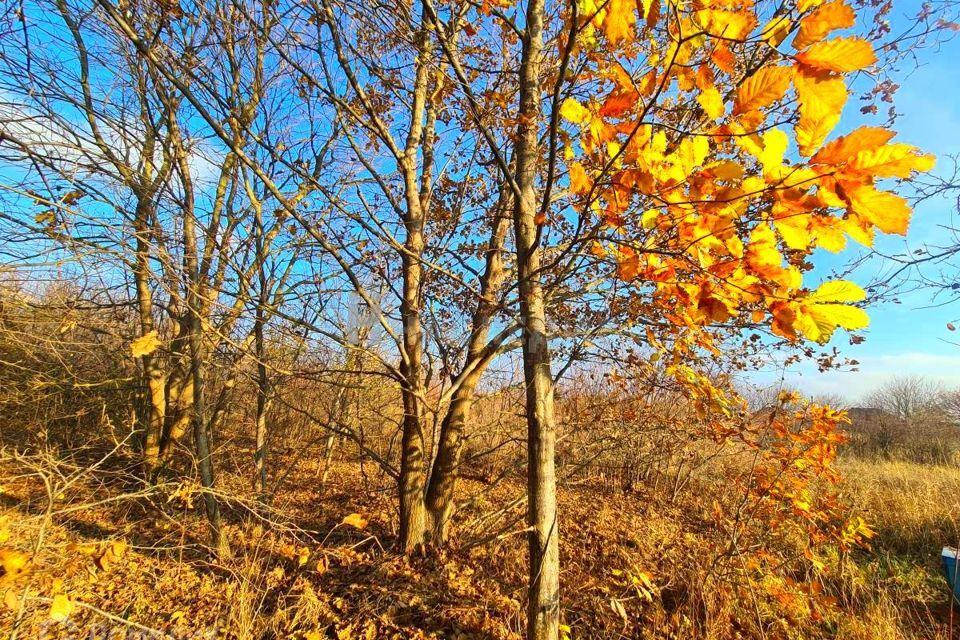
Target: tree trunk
{"type": "Point", "coordinates": [154, 409]}
{"type": "Point", "coordinates": [446, 468]}
{"type": "Point", "coordinates": [329, 446]}
{"type": "Point", "coordinates": [263, 406]}
{"type": "Point", "coordinates": [543, 600]}
{"type": "Point", "coordinates": [195, 311]}
{"type": "Point", "coordinates": [179, 394]}
{"type": "Point", "coordinates": [414, 527]}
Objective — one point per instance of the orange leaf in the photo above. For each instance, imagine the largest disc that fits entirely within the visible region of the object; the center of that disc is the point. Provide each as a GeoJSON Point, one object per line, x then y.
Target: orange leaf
{"type": "Point", "coordinates": [846, 147]}
{"type": "Point", "coordinates": [628, 264]}
{"type": "Point", "coordinates": [762, 89]}
{"type": "Point", "coordinates": [891, 161]}
{"type": "Point", "coordinates": [618, 103]}
{"type": "Point", "coordinates": [818, 25]}
{"type": "Point", "coordinates": [763, 258]}
{"type": "Point", "coordinates": [621, 16]}
{"type": "Point", "coordinates": [840, 54]}
{"type": "Point", "coordinates": [580, 183]}
{"type": "Point", "coordinates": [723, 58]}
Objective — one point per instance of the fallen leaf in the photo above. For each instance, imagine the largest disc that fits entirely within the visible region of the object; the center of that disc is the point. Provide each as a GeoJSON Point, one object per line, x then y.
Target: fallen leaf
{"type": "Point", "coordinates": [355, 520]}
{"type": "Point", "coordinates": [60, 608]}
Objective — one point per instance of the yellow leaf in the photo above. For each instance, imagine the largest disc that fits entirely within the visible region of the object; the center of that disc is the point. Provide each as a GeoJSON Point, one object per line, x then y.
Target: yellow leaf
{"type": "Point", "coordinates": [691, 153]}
{"type": "Point", "coordinates": [712, 102]}
{"type": "Point", "coordinates": [60, 608]}
{"type": "Point", "coordinates": [821, 97]}
{"type": "Point", "coordinates": [649, 218]}
{"type": "Point", "coordinates": [859, 229]}
{"type": "Point", "coordinates": [890, 213]}
{"type": "Point", "coordinates": [621, 17]}
{"type": "Point", "coordinates": [303, 556]}
{"type": "Point", "coordinates": [837, 291]}
{"type": "Point", "coordinates": [145, 344]}
{"type": "Point", "coordinates": [828, 232]}
{"type": "Point", "coordinates": [574, 111]}
{"type": "Point", "coordinates": [119, 548]}
{"type": "Point", "coordinates": [733, 25]}
{"type": "Point", "coordinates": [762, 89]}
{"type": "Point", "coordinates": [355, 520]}
{"type": "Point", "coordinates": [818, 25]}
{"type": "Point", "coordinates": [776, 31]}
{"type": "Point", "coordinates": [840, 54]}
{"type": "Point", "coordinates": [820, 320]}
{"type": "Point", "coordinates": [13, 564]}
{"type": "Point", "coordinates": [793, 229]}
{"type": "Point", "coordinates": [775, 144]}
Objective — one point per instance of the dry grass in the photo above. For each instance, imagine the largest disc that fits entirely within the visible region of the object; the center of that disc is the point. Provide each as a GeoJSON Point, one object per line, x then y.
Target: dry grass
{"type": "Point", "coordinates": [896, 587]}
{"type": "Point", "coordinates": [296, 571]}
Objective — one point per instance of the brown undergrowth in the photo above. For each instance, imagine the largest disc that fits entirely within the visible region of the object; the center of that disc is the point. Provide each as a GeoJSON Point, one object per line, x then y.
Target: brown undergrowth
{"type": "Point", "coordinates": [115, 556]}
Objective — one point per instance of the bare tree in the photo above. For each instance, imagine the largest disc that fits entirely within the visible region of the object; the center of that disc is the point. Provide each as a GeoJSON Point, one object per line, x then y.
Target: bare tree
{"type": "Point", "coordinates": [907, 397]}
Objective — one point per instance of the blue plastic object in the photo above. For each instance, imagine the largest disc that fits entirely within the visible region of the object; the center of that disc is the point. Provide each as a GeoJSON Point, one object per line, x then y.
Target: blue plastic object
{"type": "Point", "coordinates": [949, 559]}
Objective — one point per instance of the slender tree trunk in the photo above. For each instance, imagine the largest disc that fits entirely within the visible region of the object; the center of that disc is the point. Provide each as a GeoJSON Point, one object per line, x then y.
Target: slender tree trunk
{"type": "Point", "coordinates": [446, 468]}
{"type": "Point", "coordinates": [329, 446]}
{"type": "Point", "coordinates": [179, 392]}
{"type": "Point", "coordinates": [154, 410]}
{"type": "Point", "coordinates": [202, 444]}
{"type": "Point", "coordinates": [543, 600]}
{"type": "Point", "coordinates": [263, 406]}
{"type": "Point", "coordinates": [195, 312]}
{"type": "Point", "coordinates": [260, 350]}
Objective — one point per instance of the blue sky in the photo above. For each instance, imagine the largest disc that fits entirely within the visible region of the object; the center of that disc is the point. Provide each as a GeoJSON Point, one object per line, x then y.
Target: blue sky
{"type": "Point", "coordinates": [909, 338]}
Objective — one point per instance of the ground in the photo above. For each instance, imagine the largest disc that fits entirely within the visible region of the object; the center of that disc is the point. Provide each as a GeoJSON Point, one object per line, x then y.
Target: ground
{"type": "Point", "coordinates": [319, 562]}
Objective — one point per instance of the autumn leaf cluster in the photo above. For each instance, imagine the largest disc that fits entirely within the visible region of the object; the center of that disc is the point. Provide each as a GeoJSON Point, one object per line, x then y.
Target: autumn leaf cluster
{"type": "Point", "coordinates": [704, 148]}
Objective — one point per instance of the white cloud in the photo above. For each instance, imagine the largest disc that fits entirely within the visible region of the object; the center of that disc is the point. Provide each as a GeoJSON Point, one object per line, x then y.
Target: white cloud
{"type": "Point", "coordinates": [67, 139]}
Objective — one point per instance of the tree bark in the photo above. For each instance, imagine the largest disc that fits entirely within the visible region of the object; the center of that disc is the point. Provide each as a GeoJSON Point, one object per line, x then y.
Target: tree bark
{"type": "Point", "coordinates": [446, 467]}
{"type": "Point", "coordinates": [154, 410]}
{"type": "Point", "coordinates": [195, 307]}
{"type": "Point", "coordinates": [263, 406]}
{"type": "Point", "coordinates": [543, 600]}
{"type": "Point", "coordinates": [414, 526]}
